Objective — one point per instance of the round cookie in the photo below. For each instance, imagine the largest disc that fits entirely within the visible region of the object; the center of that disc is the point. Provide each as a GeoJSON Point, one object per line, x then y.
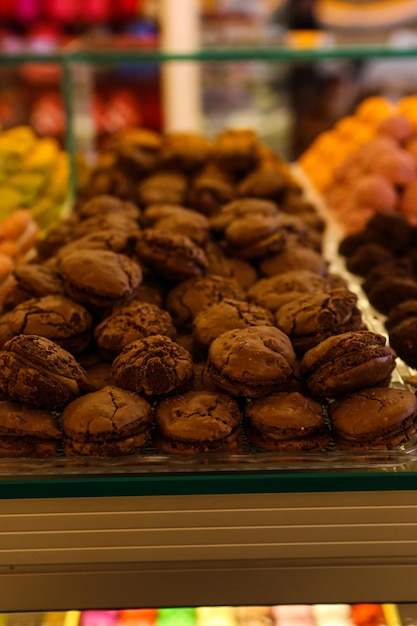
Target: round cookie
{"type": "Point", "coordinates": [131, 322]}
{"type": "Point", "coordinates": [219, 264]}
{"type": "Point", "coordinates": [389, 291]}
{"type": "Point", "coordinates": [347, 363]}
{"type": "Point", "coordinates": [189, 297]}
{"type": "Point", "coordinates": [56, 317]}
{"type": "Point", "coordinates": [32, 280]}
{"type": "Point", "coordinates": [105, 204]}
{"type": "Point", "coordinates": [101, 278]}
{"type": "Point", "coordinates": [27, 431]}
{"type": "Point", "coordinates": [163, 187]}
{"type": "Point", "coordinates": [241, 208]}
{"type": "Point", "coordinates": [171, 255]}
{"type": "Point", "coordinates": [107, 422]}
{"type": "Point", "coordinates": [286, 422]}
{"type": "Point", "coordinates": [198, 421]}
{"type": "Point", "coordinates": [252, 361]}
{"type": "Point", "coordinates": [403, 339]}
{"type": "Point", "coordinates": [295, 257]}
{"type": "Point", "coordinates": [275, 291]}
{"type": "Point", "coordinates": [154, 366]}
{"type": "Point", "coordinates": [374, 418]}
{"type": "Point", "coordinates": [311, 318]}
{"type": "Point", "coordinates": [36, 371]}
{"type": "Point", "coordinates": [178, 219]}
{"type": "Point", "coordinates": [210, 189]}
{"type": "Point", "coordinates": [225, 315]}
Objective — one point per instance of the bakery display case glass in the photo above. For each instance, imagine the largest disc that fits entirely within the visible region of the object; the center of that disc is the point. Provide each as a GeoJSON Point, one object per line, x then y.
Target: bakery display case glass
{"type": "Point", "coordinates": [332, 526]}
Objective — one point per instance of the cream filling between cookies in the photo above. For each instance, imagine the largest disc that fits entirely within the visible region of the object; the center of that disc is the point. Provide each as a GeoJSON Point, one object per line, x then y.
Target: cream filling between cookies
{"type": "Point", "coordinates": [64, 380]}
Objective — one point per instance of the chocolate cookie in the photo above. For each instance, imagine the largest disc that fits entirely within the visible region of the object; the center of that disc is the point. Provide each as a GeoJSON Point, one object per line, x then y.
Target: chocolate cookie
{"type": "Point", "coordinates": [241, 208]}
{"type": "Point", "coordinates": [275, 291]}
{"type": "Point", "coordinates": [286, 422]}
{"type": "Point", "coordinates": [131, 322]}
{"type": "Point", "coordinates": [401, 312]}
{"type": "Point", "coordinates": [198, 421]}
{"type": "Point", "coordinates": [162, 188]}
{"type": "Point", "coordinates": [311, 318]}
{"type": "Point", "coordinates": [107, 422]}
{"type": "Point", "coordinates": [154, 366]}
{"type": "Point", "coordinates": [236, 150]}
{"type": "Point", "coordinates": [56, 317]}
{"type": "Point", "coordinates": [221, 264]}
{"type": "Point", "coordinates": [178, 219]}
{"type": "Point", "coordinates": [33, 280]}
{"type": "Point", "coordinates": [252, 361]}
{"type": "Point", "coordinates": [184, 151]}
{"type": "Point", "coordinates": [255, 236]}
{"type": "Point", "coordinates": [173, 256]}
{"type": "Point", "coordinates": [210, 190]}
{"type": "Point", "coordinates": [105, 204]}
{"type": "Point", "coordinates": [189, 297]}
{"type": "Point", "coordinates": [374, 419]}
{"type": "Point", "coordinates": [403, 339]}
{"type": "Point", "coordinates": [100, 278]}
{"type": "Point", "coordinates": [347, 363]}
{"type": "Point", "coordinates": [27, 432]}
{"type": "Point", "coordinates": [293, 258]}
{"type": "Point", "coordinates": [389, 291]}
{"type": "Point", "coordinates": [227, 314]}
{"type": "Point", "coordinates": [36, 371]}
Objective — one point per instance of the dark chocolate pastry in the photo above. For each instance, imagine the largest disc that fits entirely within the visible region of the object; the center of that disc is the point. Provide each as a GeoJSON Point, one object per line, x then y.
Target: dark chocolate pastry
{"type": "Point", "coordinates": [154, 366]}
{"type": "Point", "coordinates": [198, 421]}
{"type": "Point", "coordinates": [401, 312]}
{"type": "Point", "coordinates": [374, 419]}
{"type": "Point", "coordinates": [255, 236]}
{"type": "Point", "coordinates": [107, 422]}
{"type": "Point", "coordinates": [236, 150]}
{"type": "Point", "coordinates": [368, 256]}
{"type": "Point", "coordinates": [27, 431]}
{"type": "Point", "coordinates": [105, 205]}
{"type": "Point", "coordinates": [36, 371]}
{"type": "Point", "coordinates": [311, 318]}
{"type": "Point", "coordinates": [347, 363]}
{"type": "Point", "coordinates": [227, 314]}
{"type": "Point", "coordinates": [241, 208]}
{"type": "Point", "coordinates": [389, 291]}
{"type": "Point", "coordinates": [33, 280]}
{"type": "Point", "coordinates": [210, 190]}
{"type": "Point", "coordinates": [163, 188]}
{"type": "Point", "coordinates": [131, 322]}
{"type": "Point", "coordinates": [275, 291]}
{"type": "Point", "coordinates": [294, 257]}
{"type": "Point", "coordinates": [252, 361]}
{"type": "Point", "coordinates": [173, 256]}
{"type": "Point", "coordinates": [286, 421]}
{"type": "Point", "coordinates": [101, 278]}
{"type": "Point", "coordinates": [403, 339]}
{"type": "Point", "coordinates": [188, 298]}
{"type": "Point", "coordinates": [184, 151]}
{"type": "Point", "coordinates": [58, 318]}
{"type": "Point", "coordinates": [178, 219]}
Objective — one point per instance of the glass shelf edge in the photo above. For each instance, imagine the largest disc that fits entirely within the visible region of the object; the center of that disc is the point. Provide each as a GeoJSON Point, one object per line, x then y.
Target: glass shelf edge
{"type": "Point", "coordinates": [108, 486]}
{"type": "Point", "coordinates": [264, 54]}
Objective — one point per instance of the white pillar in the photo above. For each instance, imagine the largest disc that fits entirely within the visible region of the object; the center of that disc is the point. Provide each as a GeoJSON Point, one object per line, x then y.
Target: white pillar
{"type": "Point", "coordinates": [181, 86]}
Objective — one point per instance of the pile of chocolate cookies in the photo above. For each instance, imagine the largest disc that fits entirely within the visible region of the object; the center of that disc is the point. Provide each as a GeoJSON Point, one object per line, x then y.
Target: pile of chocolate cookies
{"type": "Point", "coordinates": [185, 307]}
{"type": "Point", "coordinates": [384, 255]}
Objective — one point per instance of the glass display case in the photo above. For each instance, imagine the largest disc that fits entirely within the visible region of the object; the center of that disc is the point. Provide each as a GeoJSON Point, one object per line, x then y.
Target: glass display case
{"type": "Point", "coordinates": [244, 529]}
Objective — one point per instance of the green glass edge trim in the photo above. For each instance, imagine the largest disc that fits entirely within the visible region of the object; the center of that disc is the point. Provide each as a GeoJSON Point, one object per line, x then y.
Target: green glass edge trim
{"type": "Point", "coordinates": [266, 54]}
{"type": "Point", "coordinates": [204, 484]}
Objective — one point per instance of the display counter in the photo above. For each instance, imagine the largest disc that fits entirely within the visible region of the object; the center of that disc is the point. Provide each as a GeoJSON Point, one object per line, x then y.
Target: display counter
{"type": "Point", "coordinates": [313, 529]}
